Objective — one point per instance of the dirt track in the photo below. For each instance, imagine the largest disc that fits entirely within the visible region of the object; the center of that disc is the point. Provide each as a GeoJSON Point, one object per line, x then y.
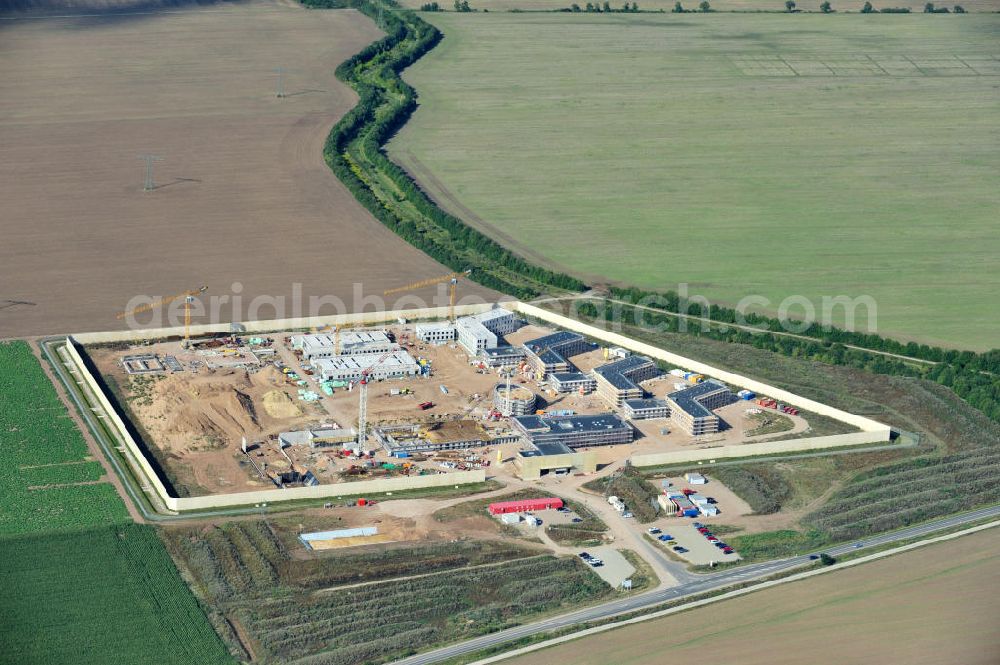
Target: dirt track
{"type": "Point", "coordinates": [242, 192]}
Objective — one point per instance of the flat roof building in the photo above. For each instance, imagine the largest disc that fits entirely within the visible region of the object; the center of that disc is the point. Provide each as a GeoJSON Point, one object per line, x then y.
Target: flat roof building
{"type": "Point", "coordinates": [553, 459]}
{"type": "Point", "coordinates": [349, 368]}
{"type": "Point", "coordinates": [502, 356]}
{"type": "Point", "coordinates": [479, 332]}
{"type": "Point", "coordinates": [619, 381]}
{"type": "Point", "coordinates": [352, 342]}
{"type": "Point", "coordinates": [574, 431]}
{"type": "Point", "coordinates": [549, 354]}
{"type": "Point", "coordinates": [646, 409]}
{"type": "Point", "coordinates": [571, 382]}
{"type": "Point", "coordinates": [691, 408]}
{"type": "Point", "coordinates": [438, 332]}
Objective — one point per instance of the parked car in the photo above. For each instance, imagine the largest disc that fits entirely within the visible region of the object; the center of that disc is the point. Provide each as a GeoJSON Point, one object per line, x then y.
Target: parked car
{"type": "Point", "coordinates": [712, 539]}
{"type": "Point", "coordinates": [703, 529]}
{"type": "Point", "coordinates": [665, 538]}
{"type": "Point", "coordinates": [681, 550]}
{"type": "Point", "coordinates": [654, 529]}
{"type": "Point", "coordinates": [727, 550]}
{"type": "Point", "coordinates": [584, 555]}
{"type": "Point", "coordinates": [628, 516]}
{"type": "Point", "coordinates": [576, 520]}
{"type": "Point", "coordinates": [698, 525]}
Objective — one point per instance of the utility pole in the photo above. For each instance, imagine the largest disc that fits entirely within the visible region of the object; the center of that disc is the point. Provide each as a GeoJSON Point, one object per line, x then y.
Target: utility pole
{"type": "Point", "coordinates": [281, 82]}
{"type": "Point", "coordinates": [149, 185]}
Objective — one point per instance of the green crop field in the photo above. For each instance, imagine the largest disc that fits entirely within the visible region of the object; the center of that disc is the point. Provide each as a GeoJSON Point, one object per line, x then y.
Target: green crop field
{"type": "Point", "coordinates": [81, 583]}
{"type": "Point", "coordinates": [741, 154]}
{"type": "Point", "coordinates": [47, 476]}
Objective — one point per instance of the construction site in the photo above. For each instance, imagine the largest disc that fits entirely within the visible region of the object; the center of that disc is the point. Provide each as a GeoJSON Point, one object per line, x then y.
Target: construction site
{"type": "Point", "coordinates": [229, 413]}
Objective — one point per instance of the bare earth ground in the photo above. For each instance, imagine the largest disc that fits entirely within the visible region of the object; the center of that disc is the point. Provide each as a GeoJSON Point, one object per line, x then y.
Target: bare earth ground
{"type": "Point", "coordinates": [243, 194]}
{"type": "Point", "coordinates": [933, 605]}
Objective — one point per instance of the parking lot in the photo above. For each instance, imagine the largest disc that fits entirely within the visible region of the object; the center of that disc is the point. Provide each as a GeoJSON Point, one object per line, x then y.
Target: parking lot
{"type": "Point", "coordinates": [615, 568]}
{"type": "Point", "coordinates": [700, 551]}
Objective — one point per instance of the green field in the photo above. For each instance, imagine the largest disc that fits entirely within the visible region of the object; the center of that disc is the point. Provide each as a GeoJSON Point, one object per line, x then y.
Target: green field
{"type": "Point", "coordinates": [716, 5]}
{"type": "Point", "coordinates": [81, 582]}
{"type": "Point", "coordinates": [739, 153]}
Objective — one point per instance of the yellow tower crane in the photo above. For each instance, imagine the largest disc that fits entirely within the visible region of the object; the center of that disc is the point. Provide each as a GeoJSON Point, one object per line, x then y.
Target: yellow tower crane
{"type": "Point", "coordinates": [452, 278]}
{"type": "Point", "coordinates": [188, 296]}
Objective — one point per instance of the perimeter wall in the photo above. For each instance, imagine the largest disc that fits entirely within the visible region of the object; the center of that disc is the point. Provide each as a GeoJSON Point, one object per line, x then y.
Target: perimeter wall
{"type": "Point", "coordinates": [871, 431]}
{"type": "Point", "coordinates": [362, 487]}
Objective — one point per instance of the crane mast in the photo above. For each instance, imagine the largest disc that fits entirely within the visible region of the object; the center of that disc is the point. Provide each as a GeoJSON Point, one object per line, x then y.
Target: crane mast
{"type": "Point", "coordinates": [363, 401]}
{"type": "Point", "coordinates": [452, 280]}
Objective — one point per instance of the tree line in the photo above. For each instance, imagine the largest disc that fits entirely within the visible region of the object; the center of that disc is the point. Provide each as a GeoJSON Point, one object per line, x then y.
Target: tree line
{"type": "Point", "coordinates": [354, 152]}
{"type": "Point", "coordinates": [974, 377]}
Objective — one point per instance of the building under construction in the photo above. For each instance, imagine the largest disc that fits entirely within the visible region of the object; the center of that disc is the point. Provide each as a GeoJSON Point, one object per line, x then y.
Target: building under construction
{"type": "Point", "coordinates": [574, 431]}
{"type": "Point", "coordinates": [350, 368]}
{"type": "Point", "coordinates": [321, 437]}
{"type": "Point", "coordinates": [346, 343]}
{"type": "Point", "coordinates": [550, 354]}
{"type": "Point", "coordinates": [692, 408]}
{"type": "Point", "coordinates": [449, 435]}
{"type": "Point", "coordinates": [619, 381]}
{"type": "Point", "coordinates": [520, 401]}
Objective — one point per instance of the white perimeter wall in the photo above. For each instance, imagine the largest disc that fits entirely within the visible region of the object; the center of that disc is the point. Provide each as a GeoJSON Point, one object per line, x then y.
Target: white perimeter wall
{"type": "Point", "coordinates": [361, 487]}
{"type": "Point", "coordinates": [353, 320]}
{"type": "Point", "coordinates": [871, 431]}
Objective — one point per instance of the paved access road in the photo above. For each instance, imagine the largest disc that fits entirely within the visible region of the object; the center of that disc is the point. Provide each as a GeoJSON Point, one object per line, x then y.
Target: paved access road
{"type": "Point", "coordinates": [700, 584]}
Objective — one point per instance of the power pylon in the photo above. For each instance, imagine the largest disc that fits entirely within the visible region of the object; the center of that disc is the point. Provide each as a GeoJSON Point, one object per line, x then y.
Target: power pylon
{"type": "Point", "coordinates": [281, 82]}
{"type": "Point", "coordinates": [149, 185]}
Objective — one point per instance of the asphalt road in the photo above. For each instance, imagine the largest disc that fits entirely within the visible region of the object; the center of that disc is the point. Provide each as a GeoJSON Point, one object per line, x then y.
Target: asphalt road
{"type": "Point", "coordinates": [700, 584]}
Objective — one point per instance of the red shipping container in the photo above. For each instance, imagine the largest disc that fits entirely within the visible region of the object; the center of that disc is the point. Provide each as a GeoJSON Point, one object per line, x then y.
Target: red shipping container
{"type": "Point", "coordinates": [524, 505]}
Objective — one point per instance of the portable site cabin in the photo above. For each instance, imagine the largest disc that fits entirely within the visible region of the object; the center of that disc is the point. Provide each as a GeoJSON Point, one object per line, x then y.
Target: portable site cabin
{"type": "Point", "coordinates": [695, 478]}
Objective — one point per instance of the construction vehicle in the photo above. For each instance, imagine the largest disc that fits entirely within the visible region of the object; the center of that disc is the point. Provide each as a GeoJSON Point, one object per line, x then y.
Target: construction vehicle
{"type": "Point", "coordinates": [188, 296]}
{"type": "Point", "coordinates": [452, 278]}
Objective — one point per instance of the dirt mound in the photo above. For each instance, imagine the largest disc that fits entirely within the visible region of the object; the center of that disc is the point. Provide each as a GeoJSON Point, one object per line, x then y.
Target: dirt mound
{"type": "Point", "coordinates": [279, 405]}
{"type": "Point", "coordinates": [201, 412]}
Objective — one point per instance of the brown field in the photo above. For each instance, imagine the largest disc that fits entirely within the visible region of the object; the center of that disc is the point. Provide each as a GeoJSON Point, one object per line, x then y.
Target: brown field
{"type": "Point", "coordinates": [934, 605]}
{"type": "Point", "coordinates": [243, 194]}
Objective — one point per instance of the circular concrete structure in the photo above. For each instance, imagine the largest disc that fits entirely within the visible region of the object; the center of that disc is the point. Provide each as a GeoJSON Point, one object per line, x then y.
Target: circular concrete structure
{"type": "Point", "coordinates": [522, 400]}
